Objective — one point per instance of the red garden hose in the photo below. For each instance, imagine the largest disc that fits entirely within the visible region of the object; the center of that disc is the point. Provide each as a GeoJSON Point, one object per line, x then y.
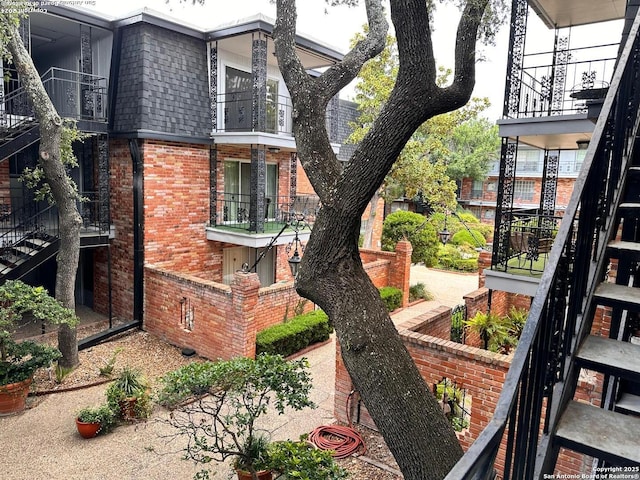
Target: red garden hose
{"type": "Point", "coordinates": [345, 441]}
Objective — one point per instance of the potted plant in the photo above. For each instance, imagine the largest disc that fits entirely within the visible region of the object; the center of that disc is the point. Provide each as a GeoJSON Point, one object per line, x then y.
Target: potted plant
{"type": "Point", "coordinates": [216, 406]}
{"type": "Point", "coordinates": [92, 421]}
{"type": "Point", "coordinates": [302, 459]}
{"type": "Point", "coordinates": [20, 360]}
{"type": "Point", "coordinates": [129, 395]}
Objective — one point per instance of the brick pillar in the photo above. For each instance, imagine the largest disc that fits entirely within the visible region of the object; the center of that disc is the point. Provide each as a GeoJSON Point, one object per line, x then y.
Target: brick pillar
{"type": "Point", "coordinates": [242, 325]}
{"type": "Point", "coordinates": [484, 261]}
{"type": "Point", "coordinates": [401, 269]}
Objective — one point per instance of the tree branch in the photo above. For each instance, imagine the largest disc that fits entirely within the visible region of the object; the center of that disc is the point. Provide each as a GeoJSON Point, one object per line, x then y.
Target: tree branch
{"type": "Point", "coordinates": [459, 92]}
{"type": "Point", "coordinates": [310, 97]}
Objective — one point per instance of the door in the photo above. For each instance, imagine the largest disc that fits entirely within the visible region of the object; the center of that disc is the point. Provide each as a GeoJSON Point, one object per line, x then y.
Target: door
{"type": "Point", "coordinates": [238, 100]}
{"type": "Point", "coordinates": [234, 257]}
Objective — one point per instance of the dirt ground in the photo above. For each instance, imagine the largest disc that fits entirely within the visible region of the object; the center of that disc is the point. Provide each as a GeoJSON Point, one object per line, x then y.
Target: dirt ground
{"type": "Point", "coordinates": [155, 358]}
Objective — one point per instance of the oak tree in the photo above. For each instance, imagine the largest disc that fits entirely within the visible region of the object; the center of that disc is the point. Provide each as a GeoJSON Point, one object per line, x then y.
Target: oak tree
{"type": "Point", "coordinates": [61, 186]}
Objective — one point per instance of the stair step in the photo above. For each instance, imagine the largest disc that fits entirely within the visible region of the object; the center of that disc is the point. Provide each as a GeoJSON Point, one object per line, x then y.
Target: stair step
{"type": "Point", "coordinates": [609, 436]}
{"type": "Point", "coordinates": [628, 403]}
{"type": "Point", "coordinates": [610, 356]}
{"type": "Point", "coordinates": [25, 250]}
{"type": "Point", "coordinates": [618, 247]}
{"type": "Point", "coordinates": [37, 242]}
{"type": "Point", "coordinates": [630, 206]}
{"type": "Point", "coordinates": [612, 294]}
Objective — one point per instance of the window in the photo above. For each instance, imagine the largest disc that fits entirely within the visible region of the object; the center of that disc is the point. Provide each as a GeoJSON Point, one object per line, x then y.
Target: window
{"type": "Point", "coordinates": [273, 107]}
{"type": "Point", "coordinates": [529, 161]}
{"type": "Point", "coordinates": [523, 190]}
{"type": "Point", "coordinates": [580, 154]}
{"type": "Point", "coordinates": [476, 189]}
{"type": "Point", "coordinates": [237, 188]}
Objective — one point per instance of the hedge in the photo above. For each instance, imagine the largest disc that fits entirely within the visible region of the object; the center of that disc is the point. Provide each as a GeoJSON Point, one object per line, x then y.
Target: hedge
{"type": "Point", "coordinates": [392, 297]}
{"type": "Point", "coordinates": [291, 337]}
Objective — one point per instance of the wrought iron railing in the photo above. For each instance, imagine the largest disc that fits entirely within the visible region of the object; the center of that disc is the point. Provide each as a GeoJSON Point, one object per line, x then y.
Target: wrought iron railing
{"type": "Point", "coordinates": [41, 225]}
{"type": "Point", "coordinates": [75, 95]}
{"type": "Point", "coordinates": [234, 210]}
{"type": "Point", "coordinates": [525, 247]}
{"type": "Point", "coordinates": [239, 112]}
{"type": "Point", "coordinates": [569, 84]}
{"type": "Point", "coordinates": [532, 395]}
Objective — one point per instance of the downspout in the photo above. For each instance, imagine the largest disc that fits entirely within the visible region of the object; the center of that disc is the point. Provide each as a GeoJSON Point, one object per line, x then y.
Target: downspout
{"type": "Point", "coordinates": [138, 231]}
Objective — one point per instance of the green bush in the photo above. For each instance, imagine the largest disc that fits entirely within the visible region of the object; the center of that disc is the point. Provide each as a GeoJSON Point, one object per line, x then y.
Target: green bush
{"type": "Point", "coordinates": [466, 265]}
{"type": "Point", "coordinates": [415, 228]}
{"type": "Point", "coordinates": [419, 291]}
{"type": "Point", "coordinates": [288, 338]}
{"type": "Point", "coordinates": [392, 297]}
{"type": "Point", "coordinates": [473, 237]}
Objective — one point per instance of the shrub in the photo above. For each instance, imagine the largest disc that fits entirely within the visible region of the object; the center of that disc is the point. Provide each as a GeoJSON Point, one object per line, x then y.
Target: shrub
{"type": "Point", "coordinates": [493, 330]}
{"type": "Point", "coordinates": [418, 292]}
{"type": "Point", "coordinates": [288, 338]}
{"type": "Point", "coordinates": [469, 237]}
{"type": "Point", "coordinates": [392, 297]}
{"type": "Point", "coordinates": [415, 228]}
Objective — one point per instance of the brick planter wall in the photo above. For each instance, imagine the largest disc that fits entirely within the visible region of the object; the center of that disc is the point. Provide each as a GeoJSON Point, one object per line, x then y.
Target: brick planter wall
{"type": "Point", "coordinates": [481, 373]}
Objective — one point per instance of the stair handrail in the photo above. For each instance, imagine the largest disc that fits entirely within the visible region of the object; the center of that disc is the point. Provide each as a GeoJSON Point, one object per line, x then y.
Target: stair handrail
{"type": "Point", "coordinates": [10, 117]}
{"type": "Point", "coordinates": [557, 321]}
{"type": "Point", "coordinates": [32, 226]}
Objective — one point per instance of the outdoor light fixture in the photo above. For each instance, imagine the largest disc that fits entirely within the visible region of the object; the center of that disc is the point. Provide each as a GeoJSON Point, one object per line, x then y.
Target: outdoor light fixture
{"type": "Point", "coordinates": [582, 144]}
{"type": "Point", "coordinates": [297, 223]}
{"type": "Point", "coordinates": [274, 149]}
{"type": "Point", "coordinates": [295, 259]}
{"type": "Point", "coordinates": [444, 234]}
{"type": "Point", "coordinates": [296, 245]}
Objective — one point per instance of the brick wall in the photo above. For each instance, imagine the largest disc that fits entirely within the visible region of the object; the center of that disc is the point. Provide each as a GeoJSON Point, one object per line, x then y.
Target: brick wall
{"type": "Point", "coordinates": [121, 198]}
{"type": "Point", "coordinates": [176, 208]}
{"type": "Point", "coordinates": [481, 373]}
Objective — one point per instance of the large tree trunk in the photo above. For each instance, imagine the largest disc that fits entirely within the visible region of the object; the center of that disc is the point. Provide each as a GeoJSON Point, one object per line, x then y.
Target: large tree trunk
{"type": "Point", "coordinates": [397, 397]}
{"type": "Point", "coordinates": [331, 273]}
{"type": "Point", "coordinates": [62, 189]}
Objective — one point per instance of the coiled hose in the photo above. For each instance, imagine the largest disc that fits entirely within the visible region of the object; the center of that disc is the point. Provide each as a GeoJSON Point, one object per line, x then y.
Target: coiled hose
{"type": "Point", "coordinates": [345, 441]}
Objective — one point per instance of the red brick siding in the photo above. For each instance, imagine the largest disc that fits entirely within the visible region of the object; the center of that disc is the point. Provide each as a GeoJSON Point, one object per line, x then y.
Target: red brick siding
{"type": "Point", "coordinates": [121, 199]}
{"type": "Point", "coordinates": [213, 334]}
{"type": "Point", "coordinates": [176, 199]}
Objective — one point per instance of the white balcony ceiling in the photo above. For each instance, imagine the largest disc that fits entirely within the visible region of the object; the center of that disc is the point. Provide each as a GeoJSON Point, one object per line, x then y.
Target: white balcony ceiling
{"type": "Point", "coordinates": [566, 13]}
{"type": "Point", "coordinates": [240, 45]}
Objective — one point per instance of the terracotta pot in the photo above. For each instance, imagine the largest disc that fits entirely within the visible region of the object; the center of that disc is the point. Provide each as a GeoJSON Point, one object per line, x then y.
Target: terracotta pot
{"type": "Point", "coordinates": [13, 397]}
{"type": "Point", "coordinates": [87, 429]}
{"type": "Point", "coordinates": [262, 475]}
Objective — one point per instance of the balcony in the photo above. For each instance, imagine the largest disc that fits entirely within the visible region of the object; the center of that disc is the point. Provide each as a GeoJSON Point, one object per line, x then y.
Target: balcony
{"type": "Point", "coordinates": [554, 97]}
{"type": "Point", "coordinates": [241, 121]}
{"type": "Point", "coordinates": [75, 95]}
{"type": "Point", "coordinates": [577, 80]}
{"type": "Point", "coordinates": [520, 251]}
{"type": "Point", "coordinates": [235, 219]}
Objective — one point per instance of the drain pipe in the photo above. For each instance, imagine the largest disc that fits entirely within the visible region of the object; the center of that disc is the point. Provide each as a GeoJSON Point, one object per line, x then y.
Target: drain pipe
{"type": "Point", "coordinates": [138, 230]}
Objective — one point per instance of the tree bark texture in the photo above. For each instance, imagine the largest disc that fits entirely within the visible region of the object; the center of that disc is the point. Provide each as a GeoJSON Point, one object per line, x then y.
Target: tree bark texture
{"type": "Point", "coordinates": [331, 273]}
{"type": "Point", "coordinates": [62, 189]}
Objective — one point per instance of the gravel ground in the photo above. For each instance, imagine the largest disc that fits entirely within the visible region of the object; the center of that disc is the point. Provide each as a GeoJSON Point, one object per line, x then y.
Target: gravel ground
{"type": "Point", "coordinates": [41, 443]}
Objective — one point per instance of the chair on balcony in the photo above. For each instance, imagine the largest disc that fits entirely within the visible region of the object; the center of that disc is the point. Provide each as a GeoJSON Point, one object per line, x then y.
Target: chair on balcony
{"type": "Point", "coordinates": [519, 244]}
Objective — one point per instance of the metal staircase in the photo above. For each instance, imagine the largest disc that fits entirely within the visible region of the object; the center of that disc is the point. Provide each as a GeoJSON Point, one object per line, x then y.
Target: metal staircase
{"type": "Point", "coordinates": [29, 242]}
{"type": "Point", "coordinates": [18, 127]}
{"type": "Point", "coordinates": [538, 413]}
